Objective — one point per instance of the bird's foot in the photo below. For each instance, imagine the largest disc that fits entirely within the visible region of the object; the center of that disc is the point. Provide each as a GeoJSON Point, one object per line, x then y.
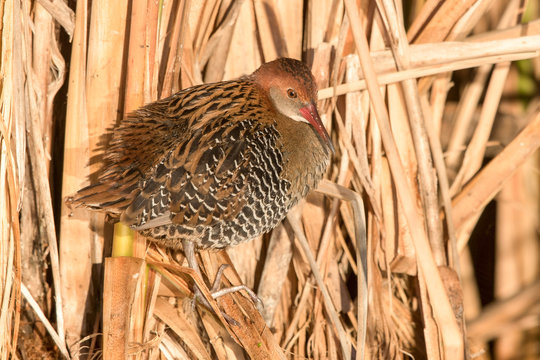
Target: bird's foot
{"type": "Point", "coordinates": [189, 251]}
{"type": "Point", "coordinates": [216, 292]}
{"type": "Point", "coordinates": [198, 297]}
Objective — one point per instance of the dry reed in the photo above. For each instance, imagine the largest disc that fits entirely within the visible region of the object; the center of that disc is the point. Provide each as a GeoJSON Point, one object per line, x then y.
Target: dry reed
{"type": "Point", "coordinates": [378, 263]}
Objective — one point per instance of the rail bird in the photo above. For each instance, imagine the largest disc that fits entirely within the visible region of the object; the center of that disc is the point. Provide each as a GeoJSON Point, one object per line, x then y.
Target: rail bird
{"type": "Point", "coordinates": [216, 164]}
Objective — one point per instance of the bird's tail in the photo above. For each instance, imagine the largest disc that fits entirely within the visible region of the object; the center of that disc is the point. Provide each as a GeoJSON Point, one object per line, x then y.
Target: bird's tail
{"type": "Point", "coordinates": [110, 197]}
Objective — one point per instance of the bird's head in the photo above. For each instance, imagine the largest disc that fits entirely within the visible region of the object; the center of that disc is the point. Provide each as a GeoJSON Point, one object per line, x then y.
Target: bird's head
{"type": "Point", "coordinates": [292, 90]}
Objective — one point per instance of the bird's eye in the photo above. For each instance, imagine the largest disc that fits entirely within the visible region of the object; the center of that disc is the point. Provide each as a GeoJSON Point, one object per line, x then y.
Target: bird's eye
{"type": "Point", "coordinates": [291, 93]}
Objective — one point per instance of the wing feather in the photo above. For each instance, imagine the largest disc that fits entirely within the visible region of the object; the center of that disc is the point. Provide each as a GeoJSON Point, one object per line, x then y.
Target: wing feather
{"type": "Point", "coordinates": [206, 185]}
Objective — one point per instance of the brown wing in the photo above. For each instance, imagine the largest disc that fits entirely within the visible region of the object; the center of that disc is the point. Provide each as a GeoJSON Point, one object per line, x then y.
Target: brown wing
{"type": "Point", "coordinates": [149, 135]}
{"type": "Point", "coordinates": [202, 180]}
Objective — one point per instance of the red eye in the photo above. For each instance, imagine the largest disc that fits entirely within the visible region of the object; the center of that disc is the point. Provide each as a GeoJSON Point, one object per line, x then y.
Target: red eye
{"type": "Point", "coordinates": [292, 94]}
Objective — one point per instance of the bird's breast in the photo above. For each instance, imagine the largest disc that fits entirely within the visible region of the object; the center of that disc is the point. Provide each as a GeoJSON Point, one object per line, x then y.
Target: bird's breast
{"type": "Point", "coordinates": [305, 157]}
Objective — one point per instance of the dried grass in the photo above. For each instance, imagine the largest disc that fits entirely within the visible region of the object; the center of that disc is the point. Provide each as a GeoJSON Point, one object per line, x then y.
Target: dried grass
{"type": "Point", "coordinates": [378, 263]}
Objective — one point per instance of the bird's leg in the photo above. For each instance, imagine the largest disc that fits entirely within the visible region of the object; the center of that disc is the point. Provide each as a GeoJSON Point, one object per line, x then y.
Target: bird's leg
{"type": "Point", "coordinates": [189, 251]}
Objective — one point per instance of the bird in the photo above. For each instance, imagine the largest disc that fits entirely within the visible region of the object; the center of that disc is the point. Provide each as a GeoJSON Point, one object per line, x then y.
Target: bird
{"type": "Point", "coordinates": [216, 164]}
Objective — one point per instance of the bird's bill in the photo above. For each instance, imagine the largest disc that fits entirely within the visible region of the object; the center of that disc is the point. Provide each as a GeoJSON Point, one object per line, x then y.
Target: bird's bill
{"type": "Point", "coordinates": [311, 114]}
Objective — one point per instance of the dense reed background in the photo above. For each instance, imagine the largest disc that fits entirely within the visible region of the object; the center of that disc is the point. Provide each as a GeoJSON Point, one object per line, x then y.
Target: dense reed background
{"type": "Point", "coordinates": [422, 242]}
